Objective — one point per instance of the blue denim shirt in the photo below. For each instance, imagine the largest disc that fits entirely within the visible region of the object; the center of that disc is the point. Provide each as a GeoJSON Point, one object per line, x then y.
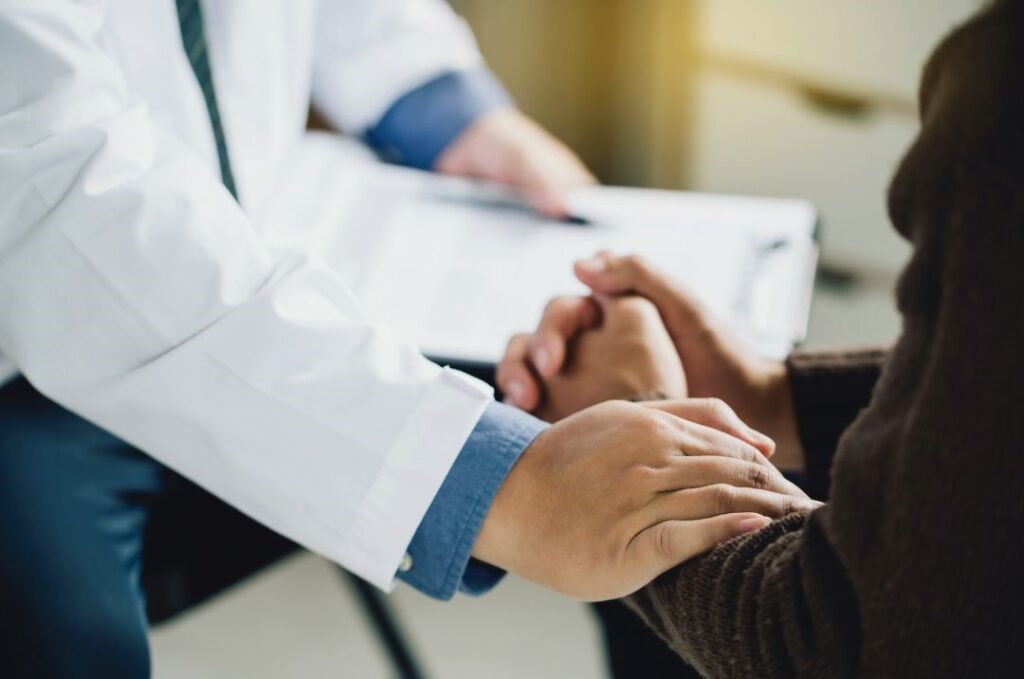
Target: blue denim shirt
{"type": "Point", "coordinates": [414, 131]}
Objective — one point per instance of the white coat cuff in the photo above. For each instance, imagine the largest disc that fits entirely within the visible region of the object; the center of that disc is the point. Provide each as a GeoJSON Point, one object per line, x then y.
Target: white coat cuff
{"type": "Point", "coordinates": [413, 473]}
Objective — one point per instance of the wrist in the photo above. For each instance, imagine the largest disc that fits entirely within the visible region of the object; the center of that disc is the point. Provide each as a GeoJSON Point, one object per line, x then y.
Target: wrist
{"type": "Point", "coordinates": [776, 417]}
{"type": "Point", "coordinates": [481, 148]}
{"type": "Point", "coordinates": [495, 543]}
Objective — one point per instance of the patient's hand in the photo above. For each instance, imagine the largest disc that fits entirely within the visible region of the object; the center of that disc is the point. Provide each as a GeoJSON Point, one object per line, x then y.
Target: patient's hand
{"type": "Point", "coordinates": [717, 363]}
{"type": "Point", "coordinates": [623, 351]}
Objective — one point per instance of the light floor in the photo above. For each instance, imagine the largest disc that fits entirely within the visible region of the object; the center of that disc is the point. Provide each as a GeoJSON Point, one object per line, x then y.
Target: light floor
{"type": "Point", "coordinates": [298, 619]}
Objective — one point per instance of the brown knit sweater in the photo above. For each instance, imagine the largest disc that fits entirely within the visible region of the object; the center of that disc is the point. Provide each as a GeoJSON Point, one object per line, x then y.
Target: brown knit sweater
{"type": "Point", "coordinates": [915, 568]}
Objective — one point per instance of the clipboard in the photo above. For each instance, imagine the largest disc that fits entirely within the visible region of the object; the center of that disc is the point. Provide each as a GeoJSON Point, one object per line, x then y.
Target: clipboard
{"type": "Point", "coordinates": [459, 266]}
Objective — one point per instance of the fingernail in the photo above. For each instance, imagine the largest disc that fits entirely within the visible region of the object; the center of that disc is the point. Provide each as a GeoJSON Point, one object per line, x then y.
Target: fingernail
{"type": "Point", "coordinates": [542, 358]}
{"type": "Point", "coordinates": [514, 392]}
{"type": "Point", "coordinates": [753, 524]}
{"type": "Point", "coordinates": [593, 265]}
{"type": "Point", "coordinates": [807, 505]}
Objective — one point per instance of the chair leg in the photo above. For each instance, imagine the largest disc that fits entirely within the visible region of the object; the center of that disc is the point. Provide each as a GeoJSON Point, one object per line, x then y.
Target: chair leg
{"type": "Point", "coordinates": [384, 623]}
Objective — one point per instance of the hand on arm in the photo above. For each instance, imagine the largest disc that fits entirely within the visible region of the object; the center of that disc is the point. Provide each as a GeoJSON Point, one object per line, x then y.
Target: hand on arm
{"type": "Point", "coordinates": [717, 364]}
{"type": "Point", "coordinates": [605, 500]}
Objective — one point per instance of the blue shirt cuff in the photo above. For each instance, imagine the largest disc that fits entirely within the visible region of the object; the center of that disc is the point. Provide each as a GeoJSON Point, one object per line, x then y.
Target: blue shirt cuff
{"type": "Point", "coordinates": [420, 125]}
{"type": "Point", "coordinates": [440, 550]}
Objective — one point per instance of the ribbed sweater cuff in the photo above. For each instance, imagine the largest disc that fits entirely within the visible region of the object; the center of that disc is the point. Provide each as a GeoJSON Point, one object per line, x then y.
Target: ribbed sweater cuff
{"type": "Point", "coordinates": [829, 390]}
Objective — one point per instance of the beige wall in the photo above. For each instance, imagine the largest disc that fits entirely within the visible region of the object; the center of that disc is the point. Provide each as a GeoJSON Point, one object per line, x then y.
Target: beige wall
{"type": "Point", "coordinates": [599, 73]}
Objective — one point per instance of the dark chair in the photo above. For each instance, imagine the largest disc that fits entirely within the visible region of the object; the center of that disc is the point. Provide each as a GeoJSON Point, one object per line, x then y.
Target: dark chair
{"type": "Point", "coordinates": [188, 560]}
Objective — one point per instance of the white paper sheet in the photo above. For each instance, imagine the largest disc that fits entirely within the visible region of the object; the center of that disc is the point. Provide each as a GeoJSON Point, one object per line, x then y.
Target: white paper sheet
{"type": "Point", "coordinates": [459, 267]}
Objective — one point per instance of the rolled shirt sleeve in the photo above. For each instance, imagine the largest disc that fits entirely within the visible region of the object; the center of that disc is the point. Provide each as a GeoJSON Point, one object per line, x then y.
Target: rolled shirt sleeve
{"type": "Point", "coordinates": [438, 561]}
{"type": "Point", "coordinates": [420, 125]}
{"type": "Point", "coordinates": [370, 53]}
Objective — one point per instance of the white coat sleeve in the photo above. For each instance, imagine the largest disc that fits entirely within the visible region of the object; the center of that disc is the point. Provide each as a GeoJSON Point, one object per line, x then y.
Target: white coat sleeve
{"type": "Point", "coordinates": [134, 292]}
{"type": "Point", "coordinates": [371, 52]}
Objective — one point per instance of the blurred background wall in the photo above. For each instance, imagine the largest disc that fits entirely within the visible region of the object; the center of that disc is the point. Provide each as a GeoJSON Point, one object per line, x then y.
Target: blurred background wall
{"type": "Point", "coordinates": [809, 98]}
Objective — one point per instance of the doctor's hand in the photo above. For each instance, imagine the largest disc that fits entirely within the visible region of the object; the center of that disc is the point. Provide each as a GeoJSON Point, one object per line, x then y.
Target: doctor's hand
{"type": "Point", "coordinates": [718, 364]}
{"type": "Point", "coordinates": [604, 501]}
{"type": "Point", "coordinates": [506, 146]}
{"type": "Point", "coordinates": [619, 349]}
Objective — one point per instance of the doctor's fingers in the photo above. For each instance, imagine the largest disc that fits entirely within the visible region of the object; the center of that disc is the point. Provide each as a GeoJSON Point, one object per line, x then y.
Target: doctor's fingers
{"type": "Point", "coordinates": [678, 526]}
{"type": "Point", "coordinates": [710, 444]}
{"type": "Point", "coordinates": [670, 543]}
{"type": "Point", "coordinates": [683, 472]}
{"type": "Point", "coordinates": [716, 414]}
{"type": "Point", "coordinates": [564, 317]}
{"type": "Point", "coordinates": [722, 498]}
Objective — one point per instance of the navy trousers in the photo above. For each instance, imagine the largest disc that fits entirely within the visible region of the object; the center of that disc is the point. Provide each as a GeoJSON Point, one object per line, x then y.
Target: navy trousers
{"type": "Point", "coordinates": [78, 510]}
{"type": "Point", "coordinates": [73, 506]}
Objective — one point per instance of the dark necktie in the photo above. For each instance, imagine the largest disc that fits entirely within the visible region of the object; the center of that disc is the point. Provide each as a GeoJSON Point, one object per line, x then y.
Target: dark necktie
{"type": "Point", "coordinates": [190, 17]}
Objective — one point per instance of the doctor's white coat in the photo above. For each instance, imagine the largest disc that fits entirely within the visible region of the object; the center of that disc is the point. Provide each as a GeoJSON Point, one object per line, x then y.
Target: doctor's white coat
{"type": "Point", "coordinates": [134, 291]}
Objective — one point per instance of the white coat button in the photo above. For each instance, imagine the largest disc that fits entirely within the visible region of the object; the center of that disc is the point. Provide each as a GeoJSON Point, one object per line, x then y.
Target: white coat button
{"type": "Point", "coordinates": [406, 564]}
